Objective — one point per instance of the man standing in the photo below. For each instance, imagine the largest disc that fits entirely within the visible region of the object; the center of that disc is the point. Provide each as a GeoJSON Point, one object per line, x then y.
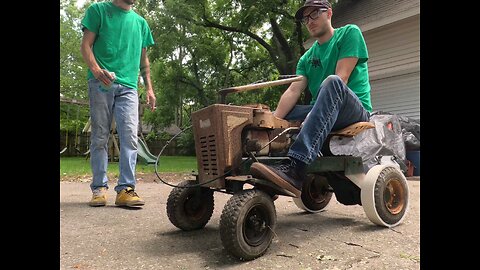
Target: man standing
{"type": "Point", "coordinates": [336, 73]}
{"type": "Point", "coordinates": [114, 45]}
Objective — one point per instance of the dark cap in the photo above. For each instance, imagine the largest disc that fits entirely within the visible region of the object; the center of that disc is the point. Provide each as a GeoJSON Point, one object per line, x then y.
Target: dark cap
{"type": "Point", "coordinates": [312, 3]}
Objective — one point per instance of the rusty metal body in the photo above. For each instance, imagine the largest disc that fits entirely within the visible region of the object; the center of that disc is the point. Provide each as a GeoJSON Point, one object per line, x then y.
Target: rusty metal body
{"type": "Point", "coordinates": [225, 133]}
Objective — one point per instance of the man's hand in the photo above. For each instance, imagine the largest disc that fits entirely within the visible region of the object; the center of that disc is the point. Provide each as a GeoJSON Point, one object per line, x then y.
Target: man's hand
{"type": "Point", "coordinates": [103, 76]}
{"type": "Point", "coordinates": [151, 100]}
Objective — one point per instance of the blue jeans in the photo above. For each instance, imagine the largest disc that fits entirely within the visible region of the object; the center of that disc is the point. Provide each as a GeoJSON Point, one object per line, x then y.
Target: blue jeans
{"type": "Point", "coordinates": [121, 102]}
{"type": "Point", "coordinates": [336, 107]}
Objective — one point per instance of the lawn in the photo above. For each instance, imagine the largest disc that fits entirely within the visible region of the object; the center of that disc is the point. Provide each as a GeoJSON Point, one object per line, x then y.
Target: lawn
{"type": "Point", "coordinates": [74, 166]}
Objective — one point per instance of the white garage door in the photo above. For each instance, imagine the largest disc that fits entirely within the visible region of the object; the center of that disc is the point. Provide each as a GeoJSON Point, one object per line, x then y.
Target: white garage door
{"type": "Point", "coordinates": [397, 94]}
{"type": "Point", "coordinates": [394, 67]}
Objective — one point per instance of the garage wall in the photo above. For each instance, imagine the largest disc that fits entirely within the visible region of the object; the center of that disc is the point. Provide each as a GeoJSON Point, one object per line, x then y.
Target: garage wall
{"type": "Point", "coordinates": [394, 67]}
{"type": "Point", "coordinates": [371, 14]}
{"type": "Point", "coordinates": [392, 32]}
{"type": "Point", "coordinates": [397, 94]}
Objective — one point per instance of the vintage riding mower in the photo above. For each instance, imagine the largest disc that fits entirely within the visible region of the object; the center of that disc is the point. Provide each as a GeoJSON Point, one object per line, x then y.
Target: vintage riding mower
{"type": "Point", "coordinates": [228, 139]}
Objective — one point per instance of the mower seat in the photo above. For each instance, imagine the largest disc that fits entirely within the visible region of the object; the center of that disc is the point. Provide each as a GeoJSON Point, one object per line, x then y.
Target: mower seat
{"type": "Point", "coordinates": [353, 129]}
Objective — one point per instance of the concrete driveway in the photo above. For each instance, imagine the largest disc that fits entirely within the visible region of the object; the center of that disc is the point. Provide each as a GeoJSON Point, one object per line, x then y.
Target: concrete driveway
{"type": "Point", "coordinates": [341, 237]}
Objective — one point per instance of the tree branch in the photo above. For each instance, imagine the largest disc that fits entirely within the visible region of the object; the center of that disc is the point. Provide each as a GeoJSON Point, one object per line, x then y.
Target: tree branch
{"type": "Point", "coordinates": [187, 82]}
{"type": "Point", "coordinates": [230, 60]}
{"type": "Point", "coordinates": [233, 29]}
{"type": "Point", "coordinates": [271, 51]}
{"type": "Point", "coordinates": [277, 33]}
{"type": "Point", "coordinates": [241, 71]}
{"type": "Point", "coordinates": [298, 32]}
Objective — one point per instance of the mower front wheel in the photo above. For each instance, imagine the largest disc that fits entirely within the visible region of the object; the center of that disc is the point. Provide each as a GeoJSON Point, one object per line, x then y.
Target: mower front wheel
{"type": "Point", "coordinates": [247, 224]}
{"type": "Point", "coordinates": [190, 208]}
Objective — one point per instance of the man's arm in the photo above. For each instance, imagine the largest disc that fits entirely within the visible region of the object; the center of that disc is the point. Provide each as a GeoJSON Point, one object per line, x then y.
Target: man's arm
{"type": "Point", "coordinates": [289, 97]}
{"type": "Point", "coordinates": [345, 67]}
{"type": "Point", "coordinates": [145, 72]}
{"type": "Point", "coordinates": [87, 54]}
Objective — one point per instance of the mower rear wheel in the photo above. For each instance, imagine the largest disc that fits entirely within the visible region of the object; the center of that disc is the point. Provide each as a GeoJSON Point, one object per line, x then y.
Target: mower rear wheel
{"type": "Point", "coordinates": [316, 194]}
{"type": "Point", "coordinates": [247, 224]}
{"type": "Point", "coordinates": [190, 208]}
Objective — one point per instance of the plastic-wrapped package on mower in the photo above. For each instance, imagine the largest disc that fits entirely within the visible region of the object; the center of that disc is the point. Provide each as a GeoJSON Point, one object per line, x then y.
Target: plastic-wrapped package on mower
{"type": "Point", "coordinates": [411, 142]}
{"type": "Point", "coordinates": [383, 140]}
{"type": "Point", "coordinates": [410, 126]}
{"type": "Point", "coordinates": [411, 132]}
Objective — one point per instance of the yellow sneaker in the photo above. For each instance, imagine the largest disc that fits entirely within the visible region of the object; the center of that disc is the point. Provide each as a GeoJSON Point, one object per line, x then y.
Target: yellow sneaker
{"type": "Point", "coordinates": [128, 197]}
{"type": "Point", "coordinates": [99, 197]}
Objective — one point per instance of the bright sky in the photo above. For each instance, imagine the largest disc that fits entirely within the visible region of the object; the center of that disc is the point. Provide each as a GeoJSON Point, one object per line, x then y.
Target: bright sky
{"type": "Point", "coordinates": [80, 2]}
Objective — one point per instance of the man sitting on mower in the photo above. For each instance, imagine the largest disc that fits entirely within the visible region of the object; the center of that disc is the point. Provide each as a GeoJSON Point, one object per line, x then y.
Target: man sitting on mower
{"type": "Point", "coordinates": [336, 73]}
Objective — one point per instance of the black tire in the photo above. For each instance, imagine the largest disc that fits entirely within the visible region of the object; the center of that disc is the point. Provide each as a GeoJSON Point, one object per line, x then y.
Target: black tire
{"type": "Point", "coordinates": [391, 195]}
{"type": "Point", "coordinates": [247, 224]}
{"type": "Point", "coordinates": [316, 194]}
{"type": "Point", "coordinates": [182, 211]}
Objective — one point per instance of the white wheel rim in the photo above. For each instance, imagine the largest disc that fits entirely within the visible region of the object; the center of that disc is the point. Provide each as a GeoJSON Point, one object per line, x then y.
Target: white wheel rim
{"type": "Point", "coordinates": [368, 196]}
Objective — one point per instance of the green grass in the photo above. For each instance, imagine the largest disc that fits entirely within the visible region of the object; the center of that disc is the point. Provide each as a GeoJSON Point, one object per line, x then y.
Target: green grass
{"type": "Point", "coordinates": [74, 166]}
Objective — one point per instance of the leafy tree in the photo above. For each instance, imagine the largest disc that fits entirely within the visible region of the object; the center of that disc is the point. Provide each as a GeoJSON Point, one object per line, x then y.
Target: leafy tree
{"type": "Point", "coordinates": [202, 46]}
{"type": "Point", "coordinates": [73, 70]}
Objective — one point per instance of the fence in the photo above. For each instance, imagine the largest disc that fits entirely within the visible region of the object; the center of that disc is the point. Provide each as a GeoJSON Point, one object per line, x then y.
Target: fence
{"type": "Point", "coordinates": [79, 145]}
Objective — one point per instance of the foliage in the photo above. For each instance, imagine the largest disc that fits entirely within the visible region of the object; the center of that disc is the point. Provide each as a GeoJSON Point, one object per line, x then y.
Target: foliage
{"type": "Point", "coordinates": [201, 46]}
{"type": "Point", "coordinates": [73, 117]}
{"type": "Point", "coordinates": [73, 70]}
{"type": "Point", "coordinates": [186, 143]}
{"type": "Point", "coordinates": [158, 136]}
{"type": "Point", "coordinates": [204, 46]}
{"type": "Point", "coordinates": [151, 136]}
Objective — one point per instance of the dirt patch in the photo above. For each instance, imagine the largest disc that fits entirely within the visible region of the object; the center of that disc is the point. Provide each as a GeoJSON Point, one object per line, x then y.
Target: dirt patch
{"type": "Point", "coordinates": [167, 177]}
{"type": "Point", "coordinates": [141, 177]}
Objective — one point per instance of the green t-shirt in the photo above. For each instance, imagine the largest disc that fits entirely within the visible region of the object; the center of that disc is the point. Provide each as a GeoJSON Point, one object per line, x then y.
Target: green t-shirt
{"type": "Point", "coordinates": [121, 35]}
{"type": "Point", "coordinates": [320, 61]}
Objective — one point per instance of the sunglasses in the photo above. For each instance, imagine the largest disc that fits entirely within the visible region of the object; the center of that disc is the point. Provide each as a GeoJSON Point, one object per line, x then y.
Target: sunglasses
{"type": "Point", "coordinates": [313, 15]}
